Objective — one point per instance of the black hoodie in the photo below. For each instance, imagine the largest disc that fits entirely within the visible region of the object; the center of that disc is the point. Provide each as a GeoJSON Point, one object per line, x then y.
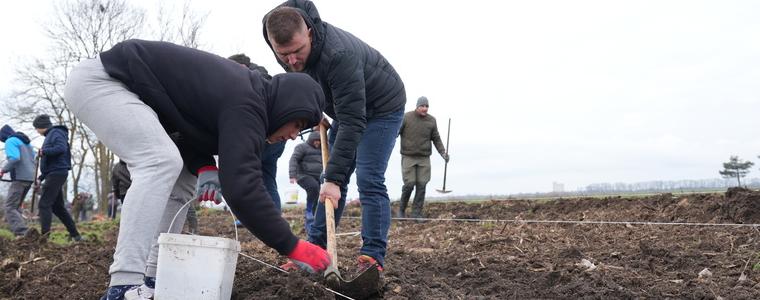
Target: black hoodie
{"type": "Point", "coordinates": [216, 107]}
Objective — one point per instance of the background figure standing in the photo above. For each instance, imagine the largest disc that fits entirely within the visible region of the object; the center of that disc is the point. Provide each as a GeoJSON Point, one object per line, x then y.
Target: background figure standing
{"type": "Point", "coordinates": [55, 163]}
{"type": "Point", "coordinates": [121, 180]}
{"type": "Point", "coordinates": [417, 131]}
{"type": "Point", "coordinates": [81, 204]}
{"type": "Point", "coordinates": [305, 168]}
{"type": "Point", "coordinates": [113, 204]}
{"type": "Point", "coordinates": [272, 152]}
{"type": "Point", "coordinates": [20, 165]}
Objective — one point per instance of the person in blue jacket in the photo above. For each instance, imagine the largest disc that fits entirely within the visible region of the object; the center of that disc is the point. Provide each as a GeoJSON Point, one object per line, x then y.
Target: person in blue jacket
{"type": "Point", "coordinates": [20, 165]}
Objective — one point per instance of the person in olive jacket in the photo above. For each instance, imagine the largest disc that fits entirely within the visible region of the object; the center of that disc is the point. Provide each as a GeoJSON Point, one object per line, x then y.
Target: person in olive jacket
{"type": "Point", "coordinates": [365, 98]}
{"type": "Point", "coordinates": [305, 168]}
{"type": "Point", "coordinates": [193, 105]}
{"type": "Point", "coordinates": [418, 130]}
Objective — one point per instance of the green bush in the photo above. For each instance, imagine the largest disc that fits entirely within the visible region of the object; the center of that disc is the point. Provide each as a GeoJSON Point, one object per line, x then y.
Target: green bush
{"type": "Point", "coordinates": [6, 234]}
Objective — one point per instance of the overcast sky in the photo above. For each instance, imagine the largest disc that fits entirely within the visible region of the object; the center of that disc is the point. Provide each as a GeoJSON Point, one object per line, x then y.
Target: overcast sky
{"type": "Point", "coordinates": [575, 92]}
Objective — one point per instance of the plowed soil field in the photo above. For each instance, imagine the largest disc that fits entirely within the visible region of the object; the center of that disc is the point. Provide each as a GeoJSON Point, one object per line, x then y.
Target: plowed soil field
{"type": "Point", "coordinates": [483, 250]}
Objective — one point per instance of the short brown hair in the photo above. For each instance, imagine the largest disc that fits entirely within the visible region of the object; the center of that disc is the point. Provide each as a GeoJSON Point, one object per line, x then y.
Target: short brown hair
{"type": "Point", "coordinates": [283, 22]}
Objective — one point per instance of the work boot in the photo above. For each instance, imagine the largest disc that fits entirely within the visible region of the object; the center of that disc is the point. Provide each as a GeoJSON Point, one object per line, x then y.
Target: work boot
{"type": "Point", "coordinates": [406, 192]}
{"type": "Point", "coordinates": [21, 234]}
{"type": "Point", "coordinates": [365, 262]}
{"type": "Point", "coordinates": [117, 292]}
{"type": "Point", "coordinates": [419, 201]}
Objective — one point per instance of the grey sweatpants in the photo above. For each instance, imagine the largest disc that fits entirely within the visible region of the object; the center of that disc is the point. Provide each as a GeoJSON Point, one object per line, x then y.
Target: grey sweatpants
{"type": "Point", "coordinates": [130, 129]}
{"type": "Point", "coordinates": [16, 194]}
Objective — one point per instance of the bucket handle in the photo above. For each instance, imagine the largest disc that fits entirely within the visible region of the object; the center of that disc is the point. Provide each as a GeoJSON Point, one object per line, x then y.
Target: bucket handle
{"type": "Point", "coordinates": [193, 200]}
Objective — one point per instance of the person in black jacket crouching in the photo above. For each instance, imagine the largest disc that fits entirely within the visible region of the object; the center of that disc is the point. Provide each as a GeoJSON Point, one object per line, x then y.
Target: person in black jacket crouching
{"type": "Point", "coordinates": [167, 110]}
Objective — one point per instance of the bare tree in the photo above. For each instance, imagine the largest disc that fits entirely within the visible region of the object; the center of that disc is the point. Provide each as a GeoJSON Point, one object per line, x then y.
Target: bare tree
{"type": "Point", "coordinates": [735, 167]}
{"type": "Point", "coordinates": [183, 28]}
{"type": "Point", "coordinates": [78, 30]}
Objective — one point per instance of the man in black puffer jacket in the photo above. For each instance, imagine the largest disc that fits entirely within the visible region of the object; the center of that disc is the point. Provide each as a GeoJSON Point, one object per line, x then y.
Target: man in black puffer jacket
{"type": "Point", "coordinates": [365, 98]}
{"type": "Point", "coordinates": [167, 110]}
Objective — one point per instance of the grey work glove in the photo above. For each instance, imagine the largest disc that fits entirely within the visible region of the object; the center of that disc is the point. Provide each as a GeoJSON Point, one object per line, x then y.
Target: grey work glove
{"type": "Point", "coordinates": [446, 157]}
{"type": "Point", "coordinates": [208, 187]}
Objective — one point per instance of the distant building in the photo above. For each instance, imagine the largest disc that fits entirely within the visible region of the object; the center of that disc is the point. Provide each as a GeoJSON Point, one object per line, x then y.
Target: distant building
{"type": "Point", "coordinates": [558, 187]}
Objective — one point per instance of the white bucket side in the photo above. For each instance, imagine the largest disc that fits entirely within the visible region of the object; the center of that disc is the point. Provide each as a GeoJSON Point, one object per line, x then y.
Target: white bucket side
{"type": "Point", "coordinates": [291, 196]}
{"type": "Point", "coordinates": [195, 267]}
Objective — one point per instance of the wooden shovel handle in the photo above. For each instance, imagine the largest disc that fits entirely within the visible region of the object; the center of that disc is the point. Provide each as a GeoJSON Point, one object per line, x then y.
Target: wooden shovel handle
{"type": "Point", "coordinates": [329, 209]}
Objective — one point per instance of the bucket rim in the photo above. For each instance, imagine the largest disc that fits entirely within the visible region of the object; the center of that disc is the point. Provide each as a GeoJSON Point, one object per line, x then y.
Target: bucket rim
{"type": "Point", "coordinates": [195, 241]}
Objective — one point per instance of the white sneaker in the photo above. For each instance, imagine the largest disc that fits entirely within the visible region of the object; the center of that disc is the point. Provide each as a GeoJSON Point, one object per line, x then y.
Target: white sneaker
{"type": "Point", "coordinates": [142, 292]}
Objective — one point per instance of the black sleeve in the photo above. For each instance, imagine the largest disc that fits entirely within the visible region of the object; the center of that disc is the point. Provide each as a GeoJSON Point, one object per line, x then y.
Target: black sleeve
{"type": "Point", "coordinates": [191, 158]}
{"type": "Point", "coordinates": [346, 80]}
{"type": "Point", "coordinates": [115, 182]}
{"type": "Point", "coordinates": [241, 141]}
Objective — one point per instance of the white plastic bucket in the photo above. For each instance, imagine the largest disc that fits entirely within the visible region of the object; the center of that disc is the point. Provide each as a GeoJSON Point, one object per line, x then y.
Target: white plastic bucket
{"type": "Point", "coordinates": [195, 267]}
{"type": "Point", "coordinates": [291, 195]}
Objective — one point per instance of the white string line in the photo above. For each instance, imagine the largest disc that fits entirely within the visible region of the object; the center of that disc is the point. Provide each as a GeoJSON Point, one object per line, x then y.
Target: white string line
{"type": "Point", "coordinates": [574, 222]}
{"type": "Point", "coordinates": [264, 263]}
{"type": "Point", "coordinates": [354, 233]}
{"type": "Point", "coordinates": [286, 272]}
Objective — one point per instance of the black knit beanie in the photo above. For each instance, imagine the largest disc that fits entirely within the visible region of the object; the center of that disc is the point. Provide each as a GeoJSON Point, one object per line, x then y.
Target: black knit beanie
{"type": "Point", "coordinates": [42, 121]}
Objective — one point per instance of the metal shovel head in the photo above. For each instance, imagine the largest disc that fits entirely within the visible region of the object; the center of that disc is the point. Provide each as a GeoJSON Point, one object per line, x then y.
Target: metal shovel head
{"type": "Point", "coordinates": [443, 191]}
{"type": "Point", "coordinates": [362, 286]}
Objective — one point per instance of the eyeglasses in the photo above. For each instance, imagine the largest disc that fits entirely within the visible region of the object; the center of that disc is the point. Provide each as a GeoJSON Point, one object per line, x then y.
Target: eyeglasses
{"type": "Point", "coordinates": [305, 132]}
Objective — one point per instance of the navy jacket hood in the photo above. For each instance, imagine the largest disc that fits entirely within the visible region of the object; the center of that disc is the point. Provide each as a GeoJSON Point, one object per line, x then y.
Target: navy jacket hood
{"type": "Point", "coordinates": [5, 133]}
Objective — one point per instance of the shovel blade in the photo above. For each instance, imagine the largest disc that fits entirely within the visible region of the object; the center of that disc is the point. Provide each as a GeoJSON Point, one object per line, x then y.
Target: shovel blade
{"type": "Point", "coordinates": [362, 286]}
{"type": "Point", "coordinates": [443, 191]}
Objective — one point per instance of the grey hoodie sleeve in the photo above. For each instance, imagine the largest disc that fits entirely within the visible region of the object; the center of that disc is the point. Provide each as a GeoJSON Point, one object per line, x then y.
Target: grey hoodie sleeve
{"type": "Point", "coordinates": [10, 165]}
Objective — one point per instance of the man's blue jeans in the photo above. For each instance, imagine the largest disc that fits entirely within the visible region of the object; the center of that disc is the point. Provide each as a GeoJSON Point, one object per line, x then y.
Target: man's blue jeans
{"type": "Point", "coordinates": [269, 168]}
{"type": "Point", "coordinates": [372, 156]}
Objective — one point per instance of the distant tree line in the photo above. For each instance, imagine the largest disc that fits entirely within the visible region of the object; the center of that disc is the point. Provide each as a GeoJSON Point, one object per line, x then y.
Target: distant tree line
{"type": "Point", "coordinates": [619, 188]}
{"type": "Point", "coordinates": [659, 186]}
